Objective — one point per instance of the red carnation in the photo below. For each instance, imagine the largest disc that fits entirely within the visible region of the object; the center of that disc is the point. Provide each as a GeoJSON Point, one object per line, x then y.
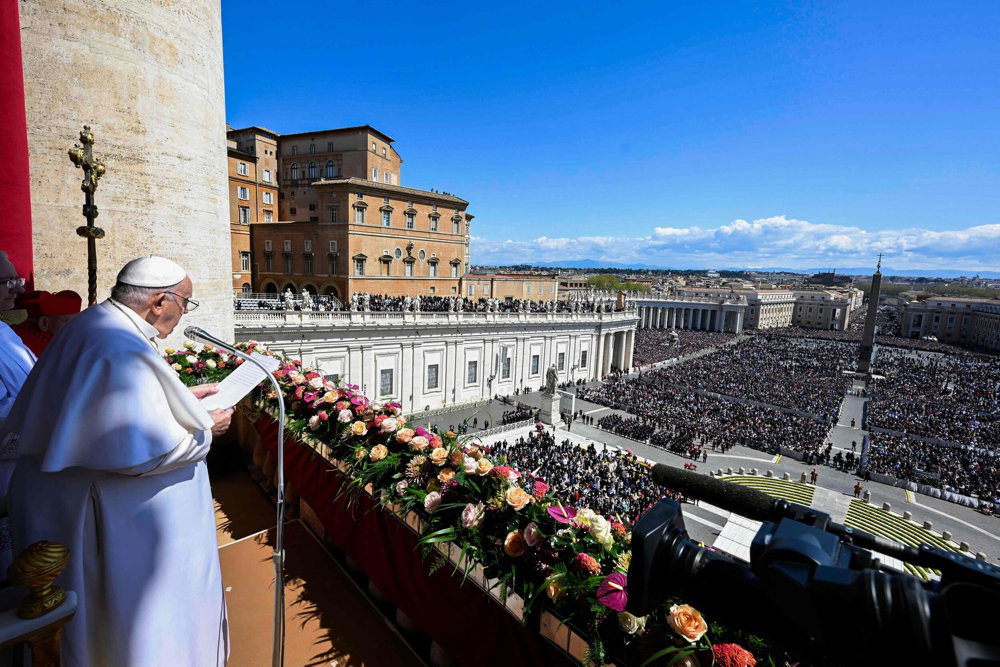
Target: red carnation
{"type": "Point", "coordinates": [732, 655]}
{"type": "Point", "coordinates": [322, 415]}
{"type": "Point", "coordinates": [587, 563]}
{"type": "Point", "coordinates": [541, 488]}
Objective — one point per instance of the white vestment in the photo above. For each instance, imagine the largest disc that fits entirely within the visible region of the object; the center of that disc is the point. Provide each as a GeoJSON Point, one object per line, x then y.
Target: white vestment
{"type": "Point", "coordinates": [112, 449]}
{"type": "Point", "coordinates": [16, 361]}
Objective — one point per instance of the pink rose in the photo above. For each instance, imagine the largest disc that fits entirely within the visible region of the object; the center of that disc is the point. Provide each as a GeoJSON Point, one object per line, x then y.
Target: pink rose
{"type": "Point", "coordinates": [419, 443]}
{"type": "Point", "coordinates": [472, 515]}
{"type": "Point", "coordinates": [531, 535]}
{"type": "Point", "coordinates": [469, 465]}
{"type": "Point", "coordinates": [432, 501]}
{"type": "Point", "coordinates": [344, 416]}
{"type": "Point", "coordinates": [388, 425]}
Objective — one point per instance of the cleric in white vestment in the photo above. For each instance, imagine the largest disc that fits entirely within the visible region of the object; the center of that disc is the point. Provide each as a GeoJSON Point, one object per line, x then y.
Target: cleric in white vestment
{"type": "Point", "coordinates": [112, 448]}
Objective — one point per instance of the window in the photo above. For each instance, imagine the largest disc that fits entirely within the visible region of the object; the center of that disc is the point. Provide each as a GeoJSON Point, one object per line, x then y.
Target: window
{"type": "Point", "coordinates": [308, 262]}
{"type": "Point", "coordinates": [385, 177]}
{"type": "Point", "coordinates": [292, 210]}
{"type": "Point", "coordinates": [267, 176]}
{"type": "Point", "coordinates": [434, 224]}
{"type": "Point", "coordinates": [333, 246]}
{"type": "Point", "coordinates": [561, 361]}
{"type": "Point", "coordinates": [312, 207]}
{"type": "Point", "coordinates": [397, 253]}
{"type": "Point", "coordinates": [432, 376]}
{"type": "Point", "coordinates": [243, 193]}
{"type": "Point", "coordinates": [288, 246]}
{"type": "Point", "coordinates": [434, 207]}
{"type": "Point", "coordinates": [583, 359]}
{"type": "Point", "coordinates": [295, 150]}
{"type": "Point", "coordinates": [386, 218]}
{"type": "Point", "coordinates": [385, 382]}
{"type": "Point", "coordinates": [534, 364]}
{"type": "Point", "coordinates": [329, 147]}
{"type": "Point", "coordinates": [244, 215]}
{"type": "Point", "coordinates": [267, 216]}
{"type": "Point", "coordinates": [383, 151]}
{"type": "Point", "coordinates": [268, 197]}
{"type": "Point", "coordinates": [332, 259]}
{"type": "Point", "coordinates": [527, 289]}
{"type": "Point", "coordinates": [421, 255]}
{"type": "Point", "coordinates": [472, 290]}
{"type": "Point", "coordinates": [409, 220]}
{"type": "Point", "coordinates": [288, 263]}
{"type": "Point", "coordinates": [505, 367]}
{"type": "Point", "coordinates": [242, 169]}
{"type": "Point", "coordinates": [268, 263]}
{"type": "Point", "coordinates": [552, 288]}
{"type": "Point", "coordinates": [312, 170]}
{"type": "Point", "coordinates": [373, 147]}
{"type": "Point", "coordinates": [295, 171]}
{"type": "Point", "coordinates": [375, 174]}
{"type": "Point", "coordinates": [432, 289]}
{"type": "Point", "coordinates": [244, 261]}
{"type": "Point", "coordinates": [433, 271]}
{"type": "Point", "coordinates": [384, 269]}
{"type": "Point", "coordinates": [330, 170]}
{"type": "Point", "coordinates": [267, 245]}
{"type": "Point", "coordinates": [307, 245]}
{"type": "Point", "coordinates": [454, 227]}
{"type": "Point", "coordinates": [472, 373]}
{"type": "Point", "coordinates": [359, 215]}
{"type": "Point", "coordinates": [408, 269]}
{"type": "Point", "coordinates": [359, 267]}
{"type": "Point", "coordinates": [454, 270]}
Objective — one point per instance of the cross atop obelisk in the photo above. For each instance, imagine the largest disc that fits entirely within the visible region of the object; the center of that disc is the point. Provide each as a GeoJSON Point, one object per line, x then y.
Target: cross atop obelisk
{"type": "Point", "coordinates": [92, 171]}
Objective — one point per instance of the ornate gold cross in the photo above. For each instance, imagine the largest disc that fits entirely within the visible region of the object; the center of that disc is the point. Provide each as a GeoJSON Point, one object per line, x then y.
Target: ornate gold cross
{"type": "Point", "coordinates": [92, 171]}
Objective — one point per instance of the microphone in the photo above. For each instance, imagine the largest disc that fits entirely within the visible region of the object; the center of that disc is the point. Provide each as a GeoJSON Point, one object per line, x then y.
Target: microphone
{"type": "Point", "coordinates": [278, 644]}
{"type": "Point", "coordinates": [197, 333]}
{"type": "Point", "coordinates": [743, 500]}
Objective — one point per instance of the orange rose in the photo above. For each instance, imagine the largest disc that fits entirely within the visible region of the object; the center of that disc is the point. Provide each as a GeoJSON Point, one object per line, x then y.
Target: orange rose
{"type": "Point", "coordinates": [359, 428]}
{"type": "Point", "coordinates": [475, 453]}
{"type": "Point", "coordinates": [360, 453]}
{"type": "Point", "coordinates": [439, 456]}
{"type": "Point", "coordinates": [378, 452]}
{"type": "Point", "coordinates": [418, 443]}
{"type": "Point", "coordinates": [446, 475]}
{"type": "Point", "coordinates": [514, 544]}
{"type": "Point", "coordinates": [687, 622]}
{"type": "Point", "coordinates": [518, 498]}
{"type": "Point", "coordinates": [555, 590]}
{"type": "Point", "coordinates": [404, 435]}
{"type": "Point", "coordinates": [484, 466]}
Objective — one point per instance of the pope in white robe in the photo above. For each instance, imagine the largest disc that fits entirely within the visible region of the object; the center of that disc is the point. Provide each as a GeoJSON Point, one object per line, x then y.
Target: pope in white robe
{"type": "Point", "coordinates": [112, 448]}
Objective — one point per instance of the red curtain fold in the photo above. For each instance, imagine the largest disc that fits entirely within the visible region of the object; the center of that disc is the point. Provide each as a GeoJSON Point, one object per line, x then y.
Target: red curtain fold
{"type": "Point", "coordinates": [471, 626]}
{"type": "Point", "coordinates": [15, 191]}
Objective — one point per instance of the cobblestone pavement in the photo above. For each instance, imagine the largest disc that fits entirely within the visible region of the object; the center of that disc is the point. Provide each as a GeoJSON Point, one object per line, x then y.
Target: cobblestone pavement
{"type": "Point", "coordinates": [965, 524]}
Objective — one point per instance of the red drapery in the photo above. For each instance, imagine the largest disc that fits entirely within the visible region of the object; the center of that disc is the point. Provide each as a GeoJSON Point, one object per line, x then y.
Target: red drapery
{"type": "Point", "coordinates": [15, 232]}
{"type": "Point", "coordinates": [464, 620]}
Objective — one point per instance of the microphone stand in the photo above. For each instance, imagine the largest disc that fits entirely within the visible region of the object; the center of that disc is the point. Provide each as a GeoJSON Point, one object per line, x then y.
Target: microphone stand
{"type": "Point", "coordinates": [278, 646]}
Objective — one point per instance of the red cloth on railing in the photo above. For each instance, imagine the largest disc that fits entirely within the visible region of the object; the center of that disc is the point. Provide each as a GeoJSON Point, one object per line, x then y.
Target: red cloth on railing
{"type": "Point", "coordinates": [470, 625]}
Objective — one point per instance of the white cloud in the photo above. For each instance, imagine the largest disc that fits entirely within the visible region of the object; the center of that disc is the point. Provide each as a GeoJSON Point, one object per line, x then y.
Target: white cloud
{"type": "Point", "coordinates": [774, 241]}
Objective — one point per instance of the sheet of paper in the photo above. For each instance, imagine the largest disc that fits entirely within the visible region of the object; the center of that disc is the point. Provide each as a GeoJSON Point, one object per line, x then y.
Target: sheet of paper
{"type": "Point", "coordinates": [239, 383]}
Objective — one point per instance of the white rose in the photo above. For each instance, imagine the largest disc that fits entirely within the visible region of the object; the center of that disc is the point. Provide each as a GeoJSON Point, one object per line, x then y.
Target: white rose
{"type": "Point", "coordinates": [600, 530]}
{"type": "Point", "coordinates": [314, 422]}
{"type": "Point", "coordinates": [584, 516]}
{"type": "Point", "coordinates": [432, 501]}
{"type": "Point", "coordinates": [472, 515]}
{"type": "Point", "coordinates": [376, 406]}
{"type": "Point", "coordinates": [631, 624]}
{"type": "Point", "coordinates": [176, 367]}
{"type": "Point", "coordinates": [401, 487]}
{"type": "Point", "coordinates": [531, 535]}
{"type": "Point", "coordinates": [191, 358]}
{"type": "Point", "coordinates": [388, 425]}
{"type": "Point", "coordinates": [316, 384]}
{"type": "Point", "coordinates": [469, 465]}
{"type": "Point", "coordinates": [211, 363]}
{"type": "Point", "coordinates": [344, 416]}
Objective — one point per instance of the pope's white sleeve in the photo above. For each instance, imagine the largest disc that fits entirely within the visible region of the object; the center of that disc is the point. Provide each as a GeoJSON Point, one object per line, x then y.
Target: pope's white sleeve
{"type": "Point", "coordinates": [191, 449]}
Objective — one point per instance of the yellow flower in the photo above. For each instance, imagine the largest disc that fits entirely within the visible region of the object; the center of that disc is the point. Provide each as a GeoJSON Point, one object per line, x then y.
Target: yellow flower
{"type": "Point", "coordinates": [379, 452]}
{"type": "Point", "coordinates": [484, 466]}
{"type": "Point", "coordinates": [514, 544]}
{"type": "Point", "coordinates": [555, 590]}
{"type": "Point", "coordinates": [359, 428]}
{"type": "Point", "coordinates": [518, 498]}
{"type": "Point", "coordinates": [446, 475]}
{"type": "Point", "coordinates": [439, 456]}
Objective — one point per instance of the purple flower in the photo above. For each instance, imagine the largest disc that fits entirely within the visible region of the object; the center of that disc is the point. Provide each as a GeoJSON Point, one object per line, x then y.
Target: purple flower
{"type": "Point", "coordinates": [562, 514]}
{"type": "Point", "coordinates": [612, 593]}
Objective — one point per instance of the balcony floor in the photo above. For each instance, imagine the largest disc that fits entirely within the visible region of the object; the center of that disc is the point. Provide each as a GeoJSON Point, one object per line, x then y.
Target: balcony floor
{"type": "Point", "coordinates": [328, 620]}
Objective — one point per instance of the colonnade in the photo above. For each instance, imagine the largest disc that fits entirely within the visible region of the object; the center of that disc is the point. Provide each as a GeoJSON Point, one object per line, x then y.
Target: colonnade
{"type": "Point", "coordinates": [614, 350]}
{"type": "Point", "coordinates": [692, 316]}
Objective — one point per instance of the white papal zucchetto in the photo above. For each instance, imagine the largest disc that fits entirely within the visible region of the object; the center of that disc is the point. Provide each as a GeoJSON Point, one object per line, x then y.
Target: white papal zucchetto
{"type": "Point", "coordinates": [151, 271]}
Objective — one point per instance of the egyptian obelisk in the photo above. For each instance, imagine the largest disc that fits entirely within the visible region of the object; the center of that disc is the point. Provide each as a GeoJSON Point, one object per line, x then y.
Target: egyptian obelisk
{"type": "Point", "coordinates": [868, 337]}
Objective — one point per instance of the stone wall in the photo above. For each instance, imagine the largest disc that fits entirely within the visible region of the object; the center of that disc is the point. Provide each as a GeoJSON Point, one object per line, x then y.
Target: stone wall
{"type": "Point", "coordinates": [147, 77]}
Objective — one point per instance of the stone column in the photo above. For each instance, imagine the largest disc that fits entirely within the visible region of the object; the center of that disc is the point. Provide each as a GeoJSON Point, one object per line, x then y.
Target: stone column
{"type": "Point", "coordinates": [629, 347]}
{"type": "Point", "coordinates": [739, 321]}
{"type": "Point", "coordinates": [673, 318]}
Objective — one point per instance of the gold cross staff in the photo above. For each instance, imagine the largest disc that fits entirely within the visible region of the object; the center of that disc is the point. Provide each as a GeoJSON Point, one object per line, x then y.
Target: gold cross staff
{"type": "Point", "coordinates": [92, 171]}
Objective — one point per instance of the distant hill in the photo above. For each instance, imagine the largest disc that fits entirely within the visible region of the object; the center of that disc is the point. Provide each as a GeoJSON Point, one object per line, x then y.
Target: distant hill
{"type": "Point", "coordinates": [851, 270]}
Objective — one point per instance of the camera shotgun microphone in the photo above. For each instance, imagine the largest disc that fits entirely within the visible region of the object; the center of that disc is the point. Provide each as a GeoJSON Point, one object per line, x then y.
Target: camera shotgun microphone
{"type": "Point", "coordinates": [743, 500]}
{"type": "Point", "coordinates": [197, 333]}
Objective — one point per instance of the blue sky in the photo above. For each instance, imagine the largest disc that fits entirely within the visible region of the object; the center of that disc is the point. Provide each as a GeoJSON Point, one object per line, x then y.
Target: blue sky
{"type": "Point", "coordinates": [682, 135]}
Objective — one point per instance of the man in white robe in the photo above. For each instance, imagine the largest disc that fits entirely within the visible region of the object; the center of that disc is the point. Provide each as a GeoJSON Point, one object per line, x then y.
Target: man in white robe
{"type": "Point", "coordinates": [16, 361]}
{"type": "Point", "coordinates": [112, 448]}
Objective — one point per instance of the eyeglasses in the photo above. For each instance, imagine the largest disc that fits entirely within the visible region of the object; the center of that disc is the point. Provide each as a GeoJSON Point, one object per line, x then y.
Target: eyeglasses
{"type": "Point", "coordinates": [14, 282]}
{"type": "Point", "coordinates": [188, 305]}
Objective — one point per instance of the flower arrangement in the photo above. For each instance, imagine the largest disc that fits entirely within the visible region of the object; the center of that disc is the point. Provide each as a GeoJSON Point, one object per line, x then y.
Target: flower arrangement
{"type": "Point", "coordinates": [505, 521]}
{"type": "Point", "coordinates": [198, 364]}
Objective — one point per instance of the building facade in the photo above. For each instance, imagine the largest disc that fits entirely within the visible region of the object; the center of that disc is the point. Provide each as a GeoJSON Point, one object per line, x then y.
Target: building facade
{"type": "Point", "coordinates": [693, 312]}
{"type": "Point", "coordinates": [430, 360]}
{"type": "Point", "coordinates": [253, 194]}
{"type": "Point", "coordinates": [343, 223]}
{"type": "Point", "coordinates": [968, 322]}
{"type": "Point", "coordinates": [775, 308]}
{"type": "Point", "coordinates": [511, 286]}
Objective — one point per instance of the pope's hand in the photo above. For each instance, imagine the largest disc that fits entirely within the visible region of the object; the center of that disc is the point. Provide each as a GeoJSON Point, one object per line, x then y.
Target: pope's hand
{"type": "Point", "coordinates": [221, 419]}
{"type": "Point", "coordinates": [200, 391]}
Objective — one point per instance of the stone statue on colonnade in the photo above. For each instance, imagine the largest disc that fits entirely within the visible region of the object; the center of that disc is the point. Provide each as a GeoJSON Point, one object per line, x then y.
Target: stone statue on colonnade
{"type": "Point", "coordinates": [289, 300]}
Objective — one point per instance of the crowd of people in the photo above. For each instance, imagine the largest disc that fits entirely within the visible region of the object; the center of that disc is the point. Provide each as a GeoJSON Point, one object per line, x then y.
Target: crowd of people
{"type": "Point", "coordinates": [514, 416]}
{"type": "Point", "coordinates": [708, 421]}
{"type": "Point", "coordinates": [800, 375]}
{"type": "Point", "coordinates": [384, 303]}
{"type": "Point", "coordinates": [609, 481]}
{"type": "Point", "coordinates": [632, 428]}
{"type": "Point", "coordinates": [656, 345]}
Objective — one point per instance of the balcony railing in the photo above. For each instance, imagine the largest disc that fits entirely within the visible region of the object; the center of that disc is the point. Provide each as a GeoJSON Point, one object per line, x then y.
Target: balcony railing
{"type": "Point", "coordinates": [359, 319]}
